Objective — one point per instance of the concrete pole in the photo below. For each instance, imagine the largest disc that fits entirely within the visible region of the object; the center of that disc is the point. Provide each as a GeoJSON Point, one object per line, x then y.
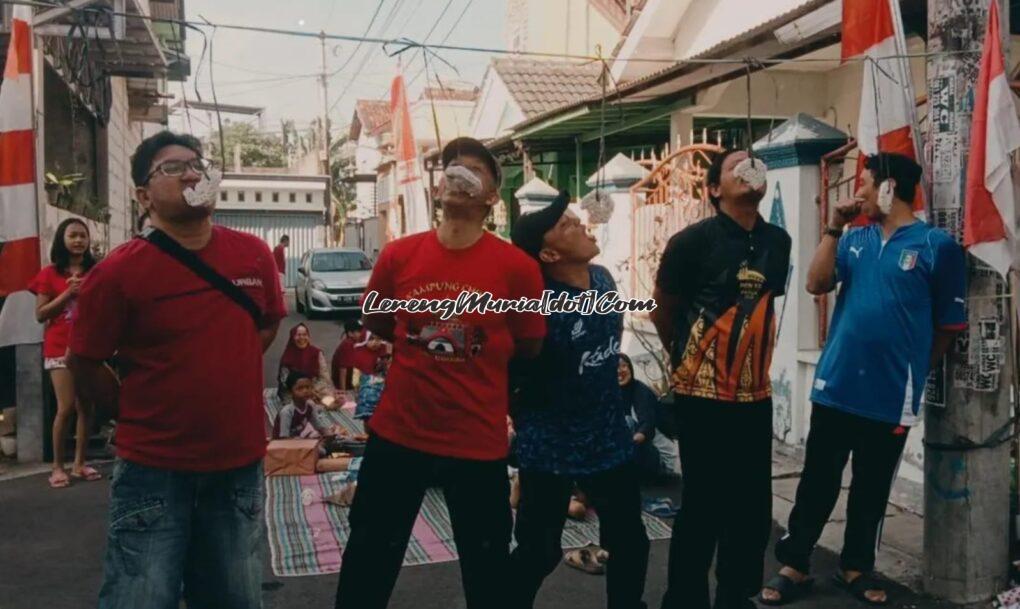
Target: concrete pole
{"type": "Point", "coordinates": [331, 215]}
{"type": "Point", "coordinates": [966, 520]}
{"type": "Point", "coordinates": [29, 398]}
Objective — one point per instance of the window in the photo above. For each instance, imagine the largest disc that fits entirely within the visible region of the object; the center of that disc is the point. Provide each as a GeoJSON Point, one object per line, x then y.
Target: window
{"type": "Point", "coordinates": [331, 262]}
{"type": "Point", "coordinates": [308, 197]}
{"type": "Point", "coordinates": [293, 197]}
{"type": "Point", "coordinates": [223, 195]}
{"type": "Point", "coordinates": [240, 196]}
{"type": "Point", "coordinates": [276, 197]}
{"type": "Point", "coordinates": [258, 197]}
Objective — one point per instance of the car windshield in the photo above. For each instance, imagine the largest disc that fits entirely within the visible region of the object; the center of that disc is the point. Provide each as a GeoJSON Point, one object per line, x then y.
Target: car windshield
{"type": "Point", "coordinates": [332, 262]}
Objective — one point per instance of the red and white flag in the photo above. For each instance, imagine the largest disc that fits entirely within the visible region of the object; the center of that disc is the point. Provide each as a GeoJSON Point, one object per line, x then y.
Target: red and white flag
{"type": "Point", "coordinates": [988, 214]}
{"type": "Point", "coordinates": [887, 122]}
{"type": "Point", "coordinates": [19, 226]}
{"type": "Point", "coordinates": [409, 179]}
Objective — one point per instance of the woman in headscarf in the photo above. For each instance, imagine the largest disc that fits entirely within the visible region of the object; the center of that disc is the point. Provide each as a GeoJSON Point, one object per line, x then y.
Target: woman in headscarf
{"type": "Point", "coordinates": [653, 452]}
{"type": "Point", "coordinates": [304, 357]}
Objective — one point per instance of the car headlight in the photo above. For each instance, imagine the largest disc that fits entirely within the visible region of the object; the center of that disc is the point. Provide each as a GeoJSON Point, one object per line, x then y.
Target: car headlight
{"type": "Point", "coordinates": [317, 284]}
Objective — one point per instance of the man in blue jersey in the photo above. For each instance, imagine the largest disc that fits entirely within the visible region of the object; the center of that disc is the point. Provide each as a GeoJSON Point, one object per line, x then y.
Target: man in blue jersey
{"type": "Point", "coordinates": [900, 304]}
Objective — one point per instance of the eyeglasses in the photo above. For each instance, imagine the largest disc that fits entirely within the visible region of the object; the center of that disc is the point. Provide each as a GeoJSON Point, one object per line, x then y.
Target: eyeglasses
{"type": "Point", "coordinates": [175, 169]}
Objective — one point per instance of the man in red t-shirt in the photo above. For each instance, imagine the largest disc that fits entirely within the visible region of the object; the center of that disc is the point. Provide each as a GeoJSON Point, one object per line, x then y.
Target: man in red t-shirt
{"type": "Point", "coordinates": [442, 415]}
{"type": "Point", "coordinates": [187, 492]}
{"type": "Point", "coordinates": [280, 257]}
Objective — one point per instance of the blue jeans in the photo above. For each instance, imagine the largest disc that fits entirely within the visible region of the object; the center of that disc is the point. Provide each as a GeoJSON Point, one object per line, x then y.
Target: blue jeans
{"type": "Point", "coordinates": [174, 532]}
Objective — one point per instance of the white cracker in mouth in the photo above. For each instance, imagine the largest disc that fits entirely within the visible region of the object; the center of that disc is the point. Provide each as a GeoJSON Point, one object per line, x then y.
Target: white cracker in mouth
{"type": "Point", "coordinates": [460, 179]}
{"type": "Point", "coordinates": [599, 206]}
{"type": "Point", "coordinates": [204, 193]}
{"type": "Point", "coordinates": [752, 172]}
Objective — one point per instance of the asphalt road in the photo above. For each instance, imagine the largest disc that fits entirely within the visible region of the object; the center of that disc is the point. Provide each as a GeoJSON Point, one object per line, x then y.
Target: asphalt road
{"type": "Point", "coordinates": [52, 543]}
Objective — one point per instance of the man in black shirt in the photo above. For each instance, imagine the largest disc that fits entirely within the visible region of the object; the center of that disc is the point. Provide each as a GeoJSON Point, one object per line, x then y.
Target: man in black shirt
{"type": "Point", "coordinates": [715, 291]}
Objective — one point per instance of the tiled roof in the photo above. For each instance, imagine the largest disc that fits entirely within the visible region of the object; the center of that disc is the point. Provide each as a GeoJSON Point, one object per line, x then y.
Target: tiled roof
{"type": "Point", "coordinates": [374, 114]}
{"type": "Point", "coordinates": [539, 86]}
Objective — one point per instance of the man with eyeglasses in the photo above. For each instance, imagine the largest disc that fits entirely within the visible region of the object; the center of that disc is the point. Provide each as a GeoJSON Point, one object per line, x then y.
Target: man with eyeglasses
{"type": "Point", "coordinates": [187, 493]}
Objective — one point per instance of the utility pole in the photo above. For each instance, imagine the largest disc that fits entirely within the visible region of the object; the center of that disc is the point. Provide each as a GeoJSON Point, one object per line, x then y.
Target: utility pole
{"type": "Point", "coordinates": [330, 208]}
{"type": "Point", "coordinates": [966, 513]}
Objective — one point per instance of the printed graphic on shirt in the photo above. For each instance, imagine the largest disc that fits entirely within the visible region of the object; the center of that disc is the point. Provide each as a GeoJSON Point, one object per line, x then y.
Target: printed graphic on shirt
{"type": "Point", "coordinates": [727, 358]}
{"type": "Point", "coordinates": [726, 279]}
{"type": "Point", "coordinates": [446, 341]}
{"type": "Point", "coordinates": [599, 355]}
{"type": "Point", "coordinates": [578, 330]}
{"type": "Point", "coordinates": [908, 259]}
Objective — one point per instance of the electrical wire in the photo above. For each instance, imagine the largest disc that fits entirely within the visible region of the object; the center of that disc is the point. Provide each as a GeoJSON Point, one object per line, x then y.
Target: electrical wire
{"type": "Point", "coordinates": [407, 44]}
{"type": "Point", "coordinates": [378, 7]}
{"type": "Point", "coordinates": [212, 84]}
{"type": "Point", "coordinates": [366, 57]}
{"type": "Point", "coordinates": [445, 38]}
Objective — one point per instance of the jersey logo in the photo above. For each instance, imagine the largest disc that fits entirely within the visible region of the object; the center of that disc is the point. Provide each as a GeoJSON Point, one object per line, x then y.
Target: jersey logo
{"type": "Point", "coordinates": [908, 259]}
{"type": "Point", "coordinates": [856, 251]}
{"type": "Point", "coordinates": [578, 330]}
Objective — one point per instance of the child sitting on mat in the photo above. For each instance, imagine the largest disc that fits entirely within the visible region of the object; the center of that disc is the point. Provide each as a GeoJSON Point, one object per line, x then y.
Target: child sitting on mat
{"type": "Point", "coordinates": [301, 417]}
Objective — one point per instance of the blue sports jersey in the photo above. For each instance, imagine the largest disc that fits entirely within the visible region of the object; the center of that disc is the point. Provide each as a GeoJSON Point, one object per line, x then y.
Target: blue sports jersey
{"type": "Point", "coordinates": [892, 297]}
{"type": "Point", "coordinates": [575, 420]}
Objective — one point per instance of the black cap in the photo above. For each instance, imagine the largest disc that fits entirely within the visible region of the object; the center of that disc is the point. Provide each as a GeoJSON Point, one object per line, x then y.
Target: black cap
{"type": "Point", "coordinates": [472, 147]}
{"type": "Point", "coordinates": [530, 229]}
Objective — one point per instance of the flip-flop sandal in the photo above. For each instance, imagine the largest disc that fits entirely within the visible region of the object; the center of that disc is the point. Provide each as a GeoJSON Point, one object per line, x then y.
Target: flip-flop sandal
{"type": "Point", "coordinates": [58, 481]}
{"type": "Point", "coordinates": [585, 560]}
{"type": "Point", "coordinates": [788, 589]}
{"type": "Point", "coordinates": [861, 584]}
{"type": "Point", "coordinates": [88, 474]}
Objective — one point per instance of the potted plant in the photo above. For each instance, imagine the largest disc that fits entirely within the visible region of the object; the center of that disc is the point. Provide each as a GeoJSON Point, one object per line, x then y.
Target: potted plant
{"type": "Point", "coordinates": [61, 189]}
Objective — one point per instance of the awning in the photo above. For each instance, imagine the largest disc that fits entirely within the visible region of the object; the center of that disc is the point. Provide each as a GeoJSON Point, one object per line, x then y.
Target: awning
{"type": "Point", "coordinates": [123, 46]}
{"type": "Point", "coordinates": [643, 106]}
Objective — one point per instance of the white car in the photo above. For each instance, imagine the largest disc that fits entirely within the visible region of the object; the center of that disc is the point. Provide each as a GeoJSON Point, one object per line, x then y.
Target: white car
{"type": "Point", "coordinates": [331, 280]}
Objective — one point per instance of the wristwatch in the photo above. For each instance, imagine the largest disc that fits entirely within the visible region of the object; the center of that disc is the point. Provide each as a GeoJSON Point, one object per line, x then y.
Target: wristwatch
{"type": "Point", "coordinates": [834, 232]}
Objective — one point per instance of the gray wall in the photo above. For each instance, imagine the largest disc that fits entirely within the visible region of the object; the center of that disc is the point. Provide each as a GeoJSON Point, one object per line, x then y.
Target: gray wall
{"type": "Point", "coordinates": [306, 231]}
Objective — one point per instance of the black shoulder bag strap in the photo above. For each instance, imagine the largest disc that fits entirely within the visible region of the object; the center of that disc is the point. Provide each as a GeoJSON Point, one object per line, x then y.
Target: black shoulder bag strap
{"type": "Point", "coordinates": [188, 258]}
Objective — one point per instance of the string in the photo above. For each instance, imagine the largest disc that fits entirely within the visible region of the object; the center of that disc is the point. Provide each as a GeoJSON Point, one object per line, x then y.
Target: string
{"type": "Point", "coordinates": [409, 44]}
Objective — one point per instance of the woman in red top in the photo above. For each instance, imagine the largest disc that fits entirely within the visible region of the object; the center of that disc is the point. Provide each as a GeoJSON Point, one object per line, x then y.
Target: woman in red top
{"type": "Point", "coordinates": [304, 357]}
{"type": "Point", "coordinates": [56, 289]}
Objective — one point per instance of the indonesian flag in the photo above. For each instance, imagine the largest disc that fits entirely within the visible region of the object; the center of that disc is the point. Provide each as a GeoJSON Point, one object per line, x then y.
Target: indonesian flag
{"type": "Point", "coordinates": [886, 122]}
{"type": "Point", "coordinates": [988, 215]}
{"type": "Point", "coordinates": [19, 227]}
{"type": "Point", "coordinates": [408, 169]}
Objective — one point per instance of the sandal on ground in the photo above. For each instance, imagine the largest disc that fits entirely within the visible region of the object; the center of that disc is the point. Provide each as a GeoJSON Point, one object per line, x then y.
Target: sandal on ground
{"type": "Point", "coordinates": [586, 560]}
{"type": "Point", "coordinates": [861, 584]}
{"type": "Point", "coordinates": [88, 474]}
{"type": "Point", "coordinates": [58, 479]}
{"type": "Point", "coordinates": [788, 589]}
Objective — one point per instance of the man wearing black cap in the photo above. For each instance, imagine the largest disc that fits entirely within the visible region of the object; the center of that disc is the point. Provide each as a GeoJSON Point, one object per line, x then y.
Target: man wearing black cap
{"type": "Point", "coordinates": [715, 292]}
{"type": "Point", "coordinates": [442, 416]}
{"type": "Point", "coordinates": [570, 420]}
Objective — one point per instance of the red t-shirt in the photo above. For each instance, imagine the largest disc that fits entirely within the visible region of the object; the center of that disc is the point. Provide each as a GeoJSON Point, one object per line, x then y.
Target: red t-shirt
{"type": "Point", "coordinates": [347, 355]}
{"type": "Point", "coordinates": [57, 335]}
{"type": "Point", "coordinates": [280, 258]}
{"type": "Point", "coordinates": [446, 390]}
{"type": "Point", "coordinates": [191, 396]}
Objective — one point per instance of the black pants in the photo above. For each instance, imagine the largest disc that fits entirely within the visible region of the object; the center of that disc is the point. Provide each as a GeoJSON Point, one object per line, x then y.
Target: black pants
{"type": "Point", "coordinates": [541, 514]}
{"type": "Point", "coordinates": [726, 507]}
{"type": "Point", "coordinates": [876, 449]}
{"type": "Point", "coordinates": [391, 485]}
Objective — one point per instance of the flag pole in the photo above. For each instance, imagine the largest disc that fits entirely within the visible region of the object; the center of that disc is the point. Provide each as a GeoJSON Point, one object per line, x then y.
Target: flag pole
{"type": "Point", "coordinates": [900, 39]}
